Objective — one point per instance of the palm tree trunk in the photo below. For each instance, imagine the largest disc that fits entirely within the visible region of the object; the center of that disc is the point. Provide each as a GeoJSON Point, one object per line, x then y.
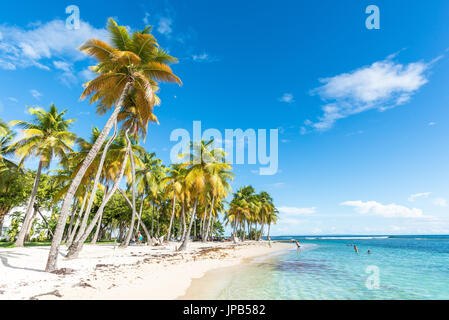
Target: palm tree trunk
{"type": "Point", "coordinates": [268, 235]}
{"type": "Point", "coordinates": [210, 218]}
{"type": "Point", "coordinates": [134, 213]}
{"type": "Point", "coordinates": [139, 216]}
{"type": "Point", "coordinates": [261, 231]}
{"type": "Point", "coordinates": [80, 215]}
{"type": "Point", "coordinates": [76, 247]}
{"type": "Point", "coordinates": [172, 216]}
{"type": "Point", "coordinates": [157, 218]}
{"type": "Point", "coordinates": [187, 237]}
{"type": "Point", "coordinates": [97, 231]}
{"type": "Point", "coordinates": [29, 213]}
{"type": "Point", "coordinates": [72, 218]}
{"type": "Point", "coordinates": [184, 226]}
{"type": "Point", "coordinates": [152, 221]}
{"type": "Point", "coordinates": [203, 225]}
{"type": "Point", "coordinates": [56, 243]}
{"type": "Point", "coordinates": [93, 194]}
{"type": "Point", "coordinates": [30, 225]}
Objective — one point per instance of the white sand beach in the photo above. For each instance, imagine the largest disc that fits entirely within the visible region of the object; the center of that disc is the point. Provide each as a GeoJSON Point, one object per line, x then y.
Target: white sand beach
{"type": "Point", "coordinates": [107, 272]}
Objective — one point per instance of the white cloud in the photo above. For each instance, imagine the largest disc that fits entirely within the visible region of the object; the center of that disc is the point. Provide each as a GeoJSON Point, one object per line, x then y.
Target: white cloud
{"type": "Point", "coordinates": [145, 19]}
{"type": "Point", "coordinates": [87, 74]}
{"type": "Point", "coordinates": [27, 47]}
{"type": "Point", "coordinates": [295, 211]}
{"type": "Point", "coordinates": [36, 94]}
{"type": "Point", "coordinates": [381, 86]}
{"type": "Point", "coordinates": [413, 197]}
{"type": "Point", "coordinates": [13, 99]}
{"type": "Point", "coordinates": [62, 65]}
{"type": "Point", "coordinates": [165, 26]}
{"type": "Point", "coordinates": [201, 57]}
{"type": "Point", "coordinates": [440, 202]}
{"type": "Point", "coordinates": [387, 211]}
{"type": "Point", "coordinates": [204, 57]}
{"type": "Point", "coordinates": [432, 124]}
{"type": "Point", "coordinates": [287, 98]}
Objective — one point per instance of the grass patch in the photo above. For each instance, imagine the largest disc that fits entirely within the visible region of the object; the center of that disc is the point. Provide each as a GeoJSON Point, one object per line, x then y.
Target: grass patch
{"type": "Point", "coordinates": [28, 244]}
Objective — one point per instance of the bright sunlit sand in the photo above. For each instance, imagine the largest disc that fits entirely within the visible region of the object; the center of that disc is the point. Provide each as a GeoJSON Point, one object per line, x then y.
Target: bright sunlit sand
{"type": "Point", "coordinates": [105, 272]}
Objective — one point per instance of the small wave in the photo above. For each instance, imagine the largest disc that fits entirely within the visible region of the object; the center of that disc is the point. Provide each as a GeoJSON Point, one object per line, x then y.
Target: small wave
{"type": "Point", "coordinates": [344, 238]}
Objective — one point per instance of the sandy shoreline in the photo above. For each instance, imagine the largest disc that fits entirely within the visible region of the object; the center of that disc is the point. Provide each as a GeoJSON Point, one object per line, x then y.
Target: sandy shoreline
{"type": "Point", "coordinates": [106, 272]}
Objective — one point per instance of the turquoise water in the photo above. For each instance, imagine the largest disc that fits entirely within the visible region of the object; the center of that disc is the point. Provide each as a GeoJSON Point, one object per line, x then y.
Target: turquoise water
{"type": "Point", "coordinates": [329, 268]}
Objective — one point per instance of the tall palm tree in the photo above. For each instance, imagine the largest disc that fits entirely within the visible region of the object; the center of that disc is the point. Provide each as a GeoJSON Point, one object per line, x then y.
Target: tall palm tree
{"type": "Point", "coordinates": [174, 186]}
{"type": "Point", "coordinates": [130, 65]}
{"type": "Point", "coordinates": [47, 136]}
{"type": "Point", "coordinates": [120, 154]}
{"type": "Point", "coordinates": [266, 208]}
{"type": "Point", "coordinates": [204, 162]}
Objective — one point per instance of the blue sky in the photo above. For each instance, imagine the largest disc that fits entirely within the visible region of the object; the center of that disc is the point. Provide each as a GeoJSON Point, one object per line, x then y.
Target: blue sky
{"type": "Point", "coordinates": [362, 114]}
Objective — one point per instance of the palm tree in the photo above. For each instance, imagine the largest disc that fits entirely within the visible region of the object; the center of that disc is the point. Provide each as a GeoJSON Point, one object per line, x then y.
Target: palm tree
{"type": "Point", "coordinates": [173, 186]}
{"type": "Point", "coordinates": [119, 154]}
{"type": "Point", "coordinates": [204, 162]}
{"type": "Point", "coordinates": [272, 218]}
{"type": "Point", "coordinates": [47, 136]}
{"type": "Point", "coordinates": [130, 65]}
{"type": "Point", "coordinates": [266, 209]}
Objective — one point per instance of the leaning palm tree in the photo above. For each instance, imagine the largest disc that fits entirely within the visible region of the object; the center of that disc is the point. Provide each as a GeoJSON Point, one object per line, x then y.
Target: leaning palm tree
{"type": "Point", "coordinates": [131, 64]}
{"type": "Point", "coordinates": [46, 136]}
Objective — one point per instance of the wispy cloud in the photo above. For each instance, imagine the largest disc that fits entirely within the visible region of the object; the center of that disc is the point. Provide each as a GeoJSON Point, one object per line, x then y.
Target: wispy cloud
{"type": "Point", "coordinates": [432, 123]}
{"type": "Point", "coordinates": [440, 202]}
{"type": "Point", "coordinates": [13, 99]}
{"type": "Point", "coordinates": [36, 94]}
{"type": "Point", "coordinates": [415, 196]}
{"type": "Point", "coordinates": [287, 98]}
{"type": "Point", "coordinates": [380, 86]}
{"type": "Point", "coordinates": [164, 26]}
{"type": "Point", "coordinates": [203, 57]}
{"type": "Point", "coordinates": [295, 211]}
{"type": "Point", "coordinates": [385, 210]}
{"type": "Point", "coordinates": [34, 45]}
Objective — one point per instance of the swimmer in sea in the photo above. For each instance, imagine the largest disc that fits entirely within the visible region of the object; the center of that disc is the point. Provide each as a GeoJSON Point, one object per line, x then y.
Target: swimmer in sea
{"type": "Point", "coordinates": [355, 249]}
{"type": "Point", "coordinates": [369, 251]}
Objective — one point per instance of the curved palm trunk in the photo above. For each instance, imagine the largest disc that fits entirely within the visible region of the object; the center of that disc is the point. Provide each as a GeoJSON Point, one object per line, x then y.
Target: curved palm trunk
{"type": "Point", "coordinates": [72, 219]}
{"type": "Point", "coordinates": [187, 236]}
{"type": "Point", "coordinates": [93, 194]}
{"type": "Point", "coordinates": [56, 243]}
{"type": "Point", "coordinates": [134, 211]}
{"type": "Point", "coordinates": [172, 216]}
{"type": "Point", "coordinates": [30, 225]}
{"type": "Point", "coordinates": [76, 247]}
{"type": "Point", "coordinates": [30, 209]}
{"type": "Point", "coordinates": [80, 215]}
{"type": "Point", "coordinates": [97, 231]}
{"type": "Point", "coordinates": [139, 216]}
